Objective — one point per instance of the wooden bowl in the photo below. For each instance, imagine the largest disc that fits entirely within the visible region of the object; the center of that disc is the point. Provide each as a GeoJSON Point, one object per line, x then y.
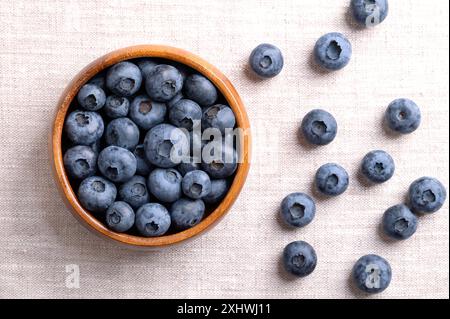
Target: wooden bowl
{"type": "Point", "coordinates": [155, 51]}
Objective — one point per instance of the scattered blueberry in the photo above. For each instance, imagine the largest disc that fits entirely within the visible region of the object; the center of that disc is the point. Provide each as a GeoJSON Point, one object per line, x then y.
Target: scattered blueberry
{"type": "Point", "coordinates": [147, 113]}
{"type": "Point", "coordinates": [96, 194]}
{"type": "Point", "coordinates": [120, 217]}
{"type": "Point", "coordinates": [266, 60]}
{"type": "Point", "coordinates": [369, 13]}
{"type": "Point", "coordinates": [378, 166]}
{"type": "Point", "coordinates": [200, 89]}
{"type": "Point", "coordinates": [166, 145]}
{"type": "Point", "coordinates": [84, 127]}
{"type": "Point", "coordinates": [187, 213]}
{"type": "Point", "coordinates": [91, 97]}
{"type": "Point", "coordinates": [116, 163]}
{"type": "Point", "coordinates": [399, 222]}
{"type": "Point", "coordinates": [165, 184]}
{"type": "Point", "coordinates": [319, 127]}
{"type": "Point", "coordinates": [333, 51]}
{"type": "Point", "coordinates": [80, 161]}
{"type": "Point", "coordinates": [298, 209]}
{"type": "Point", "coordinates": [331, 179]}
{"type": "Point", "coordinates": [122, 132]}
{"type": "Point", "coordinates": [403, 116]}
{"type": "Point", "coordinates": [372, 274]}
{"type": "Point", "coordinates": [219, 188]}
{"type": "Point", "coordinates": [116, 106]}
{"type": "Point", "coordinates": [299, 258]}
{"type": "Point", "coordinates": [143, 167]}
{"type": "Point", "coordinates": [196, 184]}
{"type": "Point", "coordinates": [152, 220]}
{"type": "Point", "coordinates": [426, 195]}
{"type": "Point", "coordinates": [124, 79]}
{"type": "Point", "coordinates": [163, 83]}
{"type": "Point", "coordinates": [218, 160]}
{"type": "Point", "coordinates": [185, 114]}
{"type": "Point", "coordinates": [135, 192]}
{"type": "Point", "coordinates": [218, 116]}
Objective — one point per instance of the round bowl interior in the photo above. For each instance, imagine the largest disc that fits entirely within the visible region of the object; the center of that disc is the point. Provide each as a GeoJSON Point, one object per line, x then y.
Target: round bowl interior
{"type": "Point", "coordinates": [152, 51]}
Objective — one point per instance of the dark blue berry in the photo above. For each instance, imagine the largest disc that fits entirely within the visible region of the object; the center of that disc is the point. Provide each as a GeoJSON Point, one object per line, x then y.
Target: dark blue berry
{"type": "Point", "coordinates": [399, 222]}
{"type": "Point", "coordinates": [122, 132]}
{"type": "Point", "coordinates": [147, 113]}
{"type": "Point", "coordinates": [403, 116]}
{"type": "Point", "coordinates": [135, 192]}
{"type": "Point", "coordinates": [96, 194]}
{"type": "Point", "coordinates": [426, 195]}
{"type": "Point", "coordinates": [298, 209]}
{"type": "Point", "coordinates": [299, 258]}
{"type": "Point", "coordinates": [91, 97]}
{"type": "Point", "coordinates": [319, 127]}
{"type": "Point", "coordinates": [120, 217]}
{"type": "Point", "coordinates": [200, 89]}
{"type": "Point", "coordinates": [80, 162]}
{"type": "Point", "coordinates": [378, 166]}
{"type": "Point", "coordinates": [266, 60]}
{"type": "Point", "coordinates": [186, 213]}
{"type": "Point", "coordinates": [333, 51]}
{"type": "Point", "coordinates": [165, 184]}
{"type": "Point", "coordinates": [331, 179]}
{"type": "Point", "coordinates": [372, 274]}
{"type": "Point", "coordinates": [117, 164]}
{"type": "Point", "coordinates": [84, 127]}
{"type": "Point", "coordinates": [163, 83]}
{"type": "Point", "coordinates": [152, 220]}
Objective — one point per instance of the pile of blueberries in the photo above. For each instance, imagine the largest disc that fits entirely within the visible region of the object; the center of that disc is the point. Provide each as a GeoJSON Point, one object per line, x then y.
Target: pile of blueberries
{"type": "Point", "coordinates": [130, 140]}
{"type": "Point", "coordinates": [371, 273]}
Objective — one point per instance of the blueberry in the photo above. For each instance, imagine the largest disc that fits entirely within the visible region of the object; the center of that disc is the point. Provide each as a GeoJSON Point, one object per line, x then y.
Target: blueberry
{"type": "Point", "coordinates": [188, 166]}
{"type": "Point", "coordinates": [166, 145]}
{"type": "Point", "coordinates": [80, 161]}
{"type": "Point", "coordinates": [163, 83]}
{"type": "Point", "coordinates": [152, 220]}
{"type": "Point", "coordinates": [187, 213]}
{"type": "Point", "coordinates": [84, 127]}
{"type": "Point", "coordinates": [165, 184]}
{"type": "Point", "coordinates": [219, 188]}
{"type": "Point", "coordinates": [218, 160]}
{"type": "Point", "coordinates": [200, 89]}
{"type": "Point", "coordinates": [143, 167]}
{"type": "Point", "coordinates": [378, 166]}
{"type": "Point", "coordinates": [426, 195]}
{"type": "Point", "coordinates": [333, 51]}
{"type": "Point", "coordinates": [319, 127]}
{"type": "Point", "coordinates": [91, 97]}
{"type": "Point", "coordinates": [218, 116]}
{"type": "Point", "coordinates": [403, 116]}
{"type": "Point", "coordinates": [122, 132]}
{"type": "Point", "coordinates": [146, 66]}
{"type": "Point", "coordinates": [134, 192]}
{"type": "Point", "coordinates": [372, 274]}
{"type": "Point", "coordinates": [196, 184]}
{"type": "Point", "coordinates": [185, 114]}
{"type": "Point", "coordinates": [298, 209]}
{"type": "Point", "coordinates": [266, 60]}
{"type": "Point", "coordinates": [96, 194]}
{"type": "Point", "coordinates": [369, 12]}
{"type": "Point", "coordinates": [147, 113]}
{"type": "Point", "coordinates": [331, 179]}
{"type": "Point", "coordinates": [299, 258]}
{"type": "Point", "coordinates": [124, 79]}
{"type": "Point", "coordinates": [399, 222]}
{"type": "Point", "coordinates": [116, 106]}
{"type": "Point", "coordinates": [175, 99]}
{"type": "Point", "coordinates": [117, 164]}
{"type": "Point", "coordinates": [120, 217]}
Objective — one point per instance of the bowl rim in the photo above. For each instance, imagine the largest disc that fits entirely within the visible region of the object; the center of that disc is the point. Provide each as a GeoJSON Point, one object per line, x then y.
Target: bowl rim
{"type": "Point", "coordinates": [149, 51]}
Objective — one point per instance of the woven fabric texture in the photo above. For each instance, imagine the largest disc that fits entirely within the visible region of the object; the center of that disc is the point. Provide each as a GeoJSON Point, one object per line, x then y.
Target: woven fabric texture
{"type": "Point", "coordinates": [44, 43]}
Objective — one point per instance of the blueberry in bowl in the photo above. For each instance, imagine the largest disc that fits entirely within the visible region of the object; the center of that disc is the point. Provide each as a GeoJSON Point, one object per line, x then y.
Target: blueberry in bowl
{"type": "Point", "coordinates": [121, 146]}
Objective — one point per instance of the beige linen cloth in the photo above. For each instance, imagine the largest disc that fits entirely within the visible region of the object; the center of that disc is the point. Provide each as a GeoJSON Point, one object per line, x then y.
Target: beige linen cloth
{"type": "Point", "coordinates": [43, 44]}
